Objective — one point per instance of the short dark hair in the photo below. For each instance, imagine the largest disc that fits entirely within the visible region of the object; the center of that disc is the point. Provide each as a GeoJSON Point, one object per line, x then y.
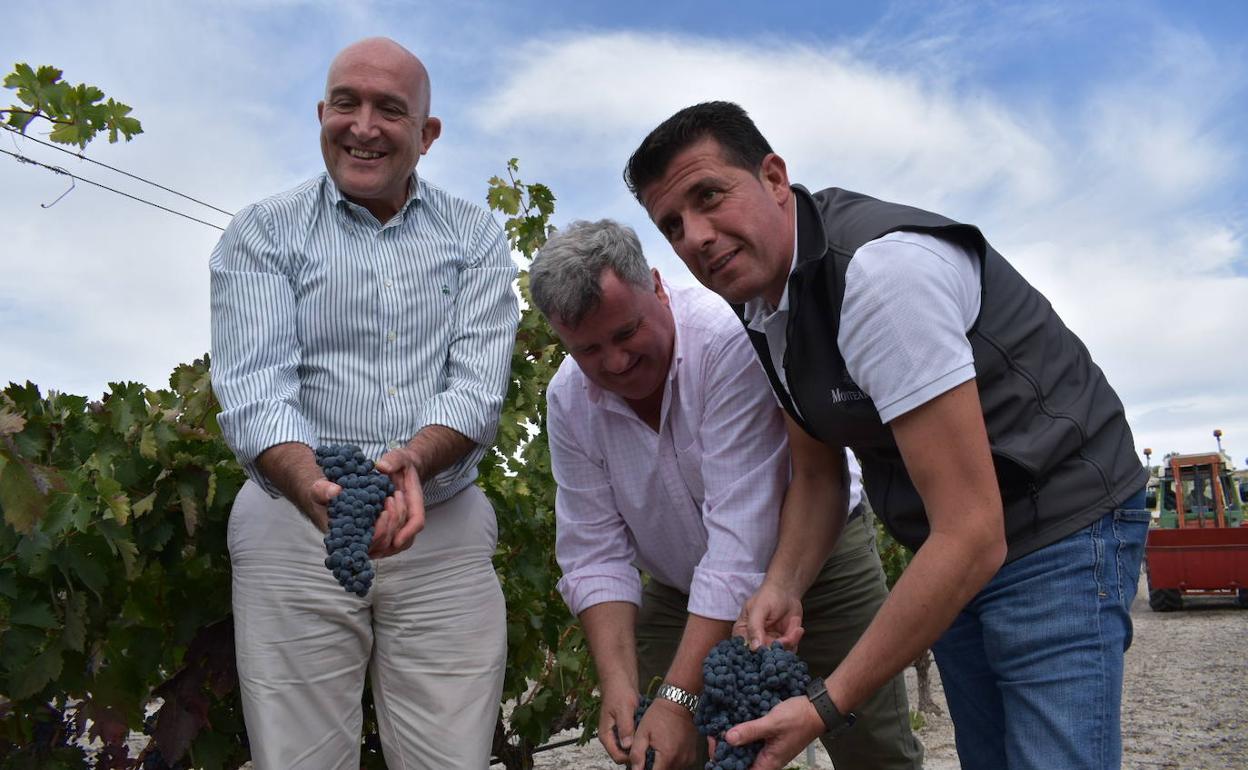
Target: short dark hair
{"type": "Point", "coordinates": [729, 125]}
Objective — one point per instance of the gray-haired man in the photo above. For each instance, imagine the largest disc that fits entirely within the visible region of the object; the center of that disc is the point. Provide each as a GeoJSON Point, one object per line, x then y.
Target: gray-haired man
{"type": "Point", "coordinates": [669, 451]}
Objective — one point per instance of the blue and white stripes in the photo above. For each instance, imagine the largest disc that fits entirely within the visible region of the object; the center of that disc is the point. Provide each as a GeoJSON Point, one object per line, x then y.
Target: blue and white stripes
{"type": "Point", "coordinates": [329, 327]}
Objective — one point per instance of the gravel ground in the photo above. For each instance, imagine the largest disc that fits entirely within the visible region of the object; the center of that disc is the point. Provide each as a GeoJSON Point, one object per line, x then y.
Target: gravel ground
{"type": "Point", "coordinates": [1185, 698]}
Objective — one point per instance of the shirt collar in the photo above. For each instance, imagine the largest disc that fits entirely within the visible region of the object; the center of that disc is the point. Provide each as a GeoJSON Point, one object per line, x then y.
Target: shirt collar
{"type": "Point", "coordinates": [339, 201]}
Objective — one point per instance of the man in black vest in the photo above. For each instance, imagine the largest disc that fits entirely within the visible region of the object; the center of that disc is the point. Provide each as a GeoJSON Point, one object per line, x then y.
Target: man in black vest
{"type": "Point", "coordinates": [990, 443]}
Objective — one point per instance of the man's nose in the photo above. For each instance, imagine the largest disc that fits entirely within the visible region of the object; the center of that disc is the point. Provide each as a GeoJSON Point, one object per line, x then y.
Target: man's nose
{"type": "Point", "coordinates": [699, 234]}
{"type": "Point", "coordinates": [364, 124]}
{"type": "Point", "coordinates": [617, 360]}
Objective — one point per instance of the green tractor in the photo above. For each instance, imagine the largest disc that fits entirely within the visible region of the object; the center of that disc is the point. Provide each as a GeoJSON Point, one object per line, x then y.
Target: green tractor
{"type": "Point", "coordinates": [1198, 544]}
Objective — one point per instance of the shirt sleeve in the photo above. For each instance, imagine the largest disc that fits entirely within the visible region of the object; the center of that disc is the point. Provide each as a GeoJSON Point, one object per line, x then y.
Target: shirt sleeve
{"type": "Point", "coordinates": [478, 360]}
{"type": "Point", "coordinates": [745, 469]}
{"type": "Point", "coordinates": [255, 348]}
{"type": "Point", "coordinates": [592, 543]}
{"type": "Point", "coordinates": [909, 300]}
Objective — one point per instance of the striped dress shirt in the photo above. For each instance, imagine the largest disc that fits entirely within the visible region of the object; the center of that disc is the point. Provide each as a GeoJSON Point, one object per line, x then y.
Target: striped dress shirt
{"type": "Point", "coordinates": [331, 327]}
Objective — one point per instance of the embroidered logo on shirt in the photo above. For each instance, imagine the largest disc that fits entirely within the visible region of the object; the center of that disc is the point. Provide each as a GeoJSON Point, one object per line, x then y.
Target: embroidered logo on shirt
{"type": "Point", "coordinates": [841, 395]}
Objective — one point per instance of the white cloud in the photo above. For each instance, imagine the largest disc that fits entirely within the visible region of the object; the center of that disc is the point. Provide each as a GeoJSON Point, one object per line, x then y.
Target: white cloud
{"type": "Point", "coordinates": [1109, 205]}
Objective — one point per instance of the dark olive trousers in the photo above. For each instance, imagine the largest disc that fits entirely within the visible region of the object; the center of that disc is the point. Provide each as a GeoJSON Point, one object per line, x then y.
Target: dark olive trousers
{"type": "Point", "coordinates": [835, 611]}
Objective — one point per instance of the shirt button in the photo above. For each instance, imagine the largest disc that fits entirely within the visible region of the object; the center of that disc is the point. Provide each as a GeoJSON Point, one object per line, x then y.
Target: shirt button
{"type": "Point", "coordinates": [393, 444]}
{"type": "Point", "coordinates": [391, 390]}
{"type": "Point", "coordinates": [389, 283]}
{"type": "Point", "coordinates": [391, 336]}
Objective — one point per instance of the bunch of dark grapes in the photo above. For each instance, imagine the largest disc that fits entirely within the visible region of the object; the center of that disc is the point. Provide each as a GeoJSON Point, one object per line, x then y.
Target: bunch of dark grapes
{"type": "Point", "coordinates": [638, 713]}
{"type": "Point", "coordinates": [352, 514]}
{"type": "Point", "coordinates": [740, 685]}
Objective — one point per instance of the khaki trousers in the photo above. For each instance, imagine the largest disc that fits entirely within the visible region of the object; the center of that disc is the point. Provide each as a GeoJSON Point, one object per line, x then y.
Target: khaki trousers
{"type": "Point", "coordinates": [835, 611]}
{"type": "Point", "coordinates": [431, 633]}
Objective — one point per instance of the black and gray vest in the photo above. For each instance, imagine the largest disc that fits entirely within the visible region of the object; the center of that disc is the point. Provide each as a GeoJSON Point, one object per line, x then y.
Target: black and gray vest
{"type": "Point", "coordinates": [1063, 452]}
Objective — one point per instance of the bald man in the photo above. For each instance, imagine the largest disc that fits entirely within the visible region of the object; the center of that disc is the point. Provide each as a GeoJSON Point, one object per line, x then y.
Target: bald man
{"type": "Point", "coordinates": [365, 307]}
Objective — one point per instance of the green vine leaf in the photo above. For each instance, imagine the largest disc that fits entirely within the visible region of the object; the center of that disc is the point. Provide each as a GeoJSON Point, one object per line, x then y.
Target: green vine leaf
{"type": "Point", "coordinates": [75, 635]}
{"type": "Point", "coordinates": [39, 673]}
{"type": "Point", "coordinates": [190, 508]}
{"type": "Point", "coordinates": [24, 505]}
{"type": "Point", "coordinates": [35, 615]}
{"type": "Point", "coordinates": [40, 90]}
{"type": "Point", "coordinates": [114, 498]}
{"type": "Point", "coordinates": [76, 112]}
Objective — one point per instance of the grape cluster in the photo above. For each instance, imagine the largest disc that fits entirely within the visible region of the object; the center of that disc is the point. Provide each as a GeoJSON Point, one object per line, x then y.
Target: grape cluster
{"type": "Point", "coordinates": [638, 713]}
{"type": "Point", "coordinates": [740, 685]}
{"type": "Point", "coordinates": [352, 513]}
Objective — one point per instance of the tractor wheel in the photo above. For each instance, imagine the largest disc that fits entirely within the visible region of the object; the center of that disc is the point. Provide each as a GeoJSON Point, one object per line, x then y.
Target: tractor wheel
{"type": "Point", "coordinates": [1165, 600]}
{"type": "Point", "coordinates": [1241, 598]}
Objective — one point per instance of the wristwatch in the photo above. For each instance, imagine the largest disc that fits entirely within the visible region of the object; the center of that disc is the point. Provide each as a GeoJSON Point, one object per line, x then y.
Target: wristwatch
{"type": "Point", "coordinates": [678, 696]}
{"type": "Point", "coordinates": [834, 722]}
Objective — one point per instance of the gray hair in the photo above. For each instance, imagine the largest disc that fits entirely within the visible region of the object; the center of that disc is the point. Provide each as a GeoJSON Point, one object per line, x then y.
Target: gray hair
{"type": "Point", "coordinates": [566, 273]}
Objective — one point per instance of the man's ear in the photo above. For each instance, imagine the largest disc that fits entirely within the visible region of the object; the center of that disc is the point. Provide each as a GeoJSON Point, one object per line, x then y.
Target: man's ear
{"type": "Point", "coordinates": [775, 177]}
{"type": "Point", "coordinates": [320, 111]}
{"type": "Point", "coordinates": [429, 133]}
{"type": "Point", "coordinates": [659, 291]}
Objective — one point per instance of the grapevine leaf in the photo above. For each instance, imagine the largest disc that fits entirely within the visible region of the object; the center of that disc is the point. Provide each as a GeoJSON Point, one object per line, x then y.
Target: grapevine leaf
{"type": "Point", "coordinates": [143, 506]}
{"type": "Point", "coordinates": [32, 678]}
{"type": "Point", "coordinates": [33, 552]}
{"type": "Point", "coordinates": [35, 615]}
{"type": "Point", "coordinates": [11, 423]}
{"type": "Point", "coordinates": [107, 724]}
{"type": "Point", "coordinates": [147, 443]}
{"type": "Point", "coordinates": [72, 133]}
{"type": "Point", "coordinates": [115, 117]}
{"type": "Point", "coordinates": [38, 90]}
{"type": "Point", "coordinates": [25, 397]}
{"type": "Point", "coordinates": [125, 404]}
{"type": "Point", "coordinates": [22, 75]}
{"type": "Point", "coordinates": [19, 120]}
{"type": "Point", "coordinates": [503, 197]}
{"type": "Point", "coordinates": [84, 118]}
{"type": "Point", "coordinates": [129, 556]}
{"type": "Point", "coordinates": [121, 545]}
{"type": "Point", "coordinates": [86, 564]}
{"type": "Point", "coordinates": [212, 750]}
{"type": "Point", "coordinates": [569, 660]}
{"type": "Point", "coordinates": [75, 636]}
{"type": "Point", "coordinates": [20, 498]}
{"type": "Point", "coordinates": [542, 199]}
{"type": "Point", "coordinates": [212, 488]}
{"type": "Point", "coordinates": [111, 493]}
{"type": "Point", "coordinates": [190, 508]}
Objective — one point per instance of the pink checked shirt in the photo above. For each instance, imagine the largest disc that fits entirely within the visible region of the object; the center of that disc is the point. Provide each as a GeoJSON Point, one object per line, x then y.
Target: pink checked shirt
{"type": "Point", "coordinates": [696, 505]}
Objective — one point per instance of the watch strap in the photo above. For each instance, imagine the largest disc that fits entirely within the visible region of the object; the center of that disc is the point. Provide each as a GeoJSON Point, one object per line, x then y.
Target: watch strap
{"type": "Point", "coordinates": [678, 696]}
{"type": "Point", "coordinates": [834, 722]}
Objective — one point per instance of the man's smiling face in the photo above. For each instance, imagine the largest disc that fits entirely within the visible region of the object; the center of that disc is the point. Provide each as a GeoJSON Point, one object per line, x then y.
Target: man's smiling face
{"type": "Point", "coordinates": [374, 124]}
{"type": "Point", "coordinates": [624, 345]}
{"type": "Point", "coordinates": [732, 228]}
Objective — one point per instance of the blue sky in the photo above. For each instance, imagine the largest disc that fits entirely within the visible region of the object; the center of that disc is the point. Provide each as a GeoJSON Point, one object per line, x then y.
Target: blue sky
{"type": "Point", "coordinates": [1100, 146]}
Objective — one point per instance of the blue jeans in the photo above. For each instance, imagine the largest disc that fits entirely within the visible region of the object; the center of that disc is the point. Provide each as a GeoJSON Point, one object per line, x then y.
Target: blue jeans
{"type": "Point", "coordinates": [1032, 666]}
